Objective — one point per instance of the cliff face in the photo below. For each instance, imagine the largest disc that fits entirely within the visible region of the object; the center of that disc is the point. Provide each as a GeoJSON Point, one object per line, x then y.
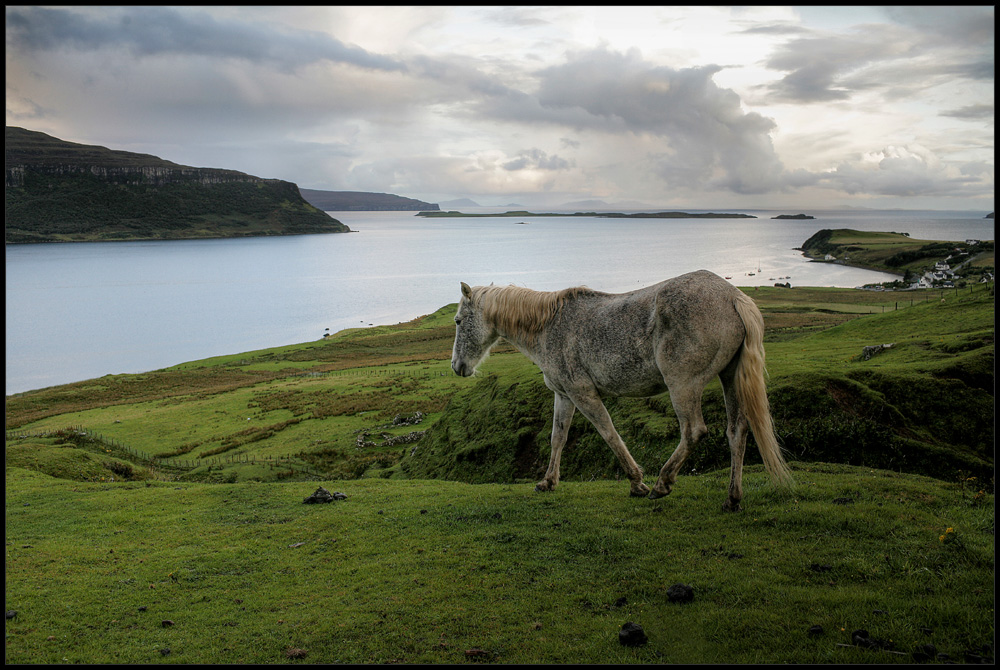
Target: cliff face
{"type": "Point", "coordinates": [60, 191]}
{"type": "Point", "coordinates": [129, 176]}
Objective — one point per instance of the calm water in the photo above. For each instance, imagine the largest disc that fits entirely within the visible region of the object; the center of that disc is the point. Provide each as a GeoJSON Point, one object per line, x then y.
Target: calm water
{"type": "Point", "coordinates": [79, 311]}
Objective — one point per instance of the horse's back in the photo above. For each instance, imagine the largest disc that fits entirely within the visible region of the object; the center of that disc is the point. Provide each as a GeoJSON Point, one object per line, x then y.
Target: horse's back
{"type": "Point", "coordinates": [698, 299]}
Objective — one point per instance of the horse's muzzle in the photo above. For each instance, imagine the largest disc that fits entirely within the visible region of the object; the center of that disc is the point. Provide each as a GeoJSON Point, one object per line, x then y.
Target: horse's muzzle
{"type": "Point", "coordinates": [461, 369]}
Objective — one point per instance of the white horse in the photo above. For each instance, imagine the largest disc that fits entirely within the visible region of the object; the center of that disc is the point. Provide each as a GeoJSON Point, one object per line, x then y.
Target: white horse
{"type": "Point", "coordinates": [674, 336]}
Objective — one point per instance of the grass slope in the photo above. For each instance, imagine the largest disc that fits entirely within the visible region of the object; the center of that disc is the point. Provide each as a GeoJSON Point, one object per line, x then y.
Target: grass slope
{"type": "Point", "coordinates": [443, 572]}
{"type": "Point", "coordinates": [170, 527]}
{"type": "Point", "coordinates": [334, 406]}
{"type": "Point", "coordinates": [924, 406]}
{"type": "Point", "coordinates": [897, 252]}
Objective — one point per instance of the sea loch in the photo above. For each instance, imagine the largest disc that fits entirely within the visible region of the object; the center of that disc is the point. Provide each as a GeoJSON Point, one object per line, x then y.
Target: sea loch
{"type": "Point", "coordinates": [79, 311]}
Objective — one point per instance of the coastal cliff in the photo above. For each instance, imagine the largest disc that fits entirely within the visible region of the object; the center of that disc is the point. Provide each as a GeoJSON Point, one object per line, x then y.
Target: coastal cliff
{"type": "Point", "coordinates": [58, 191]}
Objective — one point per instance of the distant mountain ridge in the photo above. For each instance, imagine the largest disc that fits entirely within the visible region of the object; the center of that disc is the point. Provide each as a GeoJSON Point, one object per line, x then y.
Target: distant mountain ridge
{"type": "Point", "coordinates": [362, 201]}
{"type": "Point", "coordinates": [58, 191]}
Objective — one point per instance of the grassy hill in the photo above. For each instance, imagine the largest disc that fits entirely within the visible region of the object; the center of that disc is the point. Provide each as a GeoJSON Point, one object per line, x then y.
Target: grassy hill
{"type": "Point", "coordinates": [159, 517]}
{"type": "Point", "coordinates": [897, 252]}
{"type": "Point", "coordinates": [57, 191]}
{"type": "Point", "coordinates": [925, 405]}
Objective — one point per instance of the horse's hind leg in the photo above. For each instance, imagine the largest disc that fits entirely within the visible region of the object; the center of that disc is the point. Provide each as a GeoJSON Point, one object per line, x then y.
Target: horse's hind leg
{"type": "Point", "coordinates": [590, 406]}
{"type": "Point", "coordinates": [562, 415]}
{"type": "Point", "coordinates": [736, 431]}
{"type": "Point", "coordinates": [687, 406]}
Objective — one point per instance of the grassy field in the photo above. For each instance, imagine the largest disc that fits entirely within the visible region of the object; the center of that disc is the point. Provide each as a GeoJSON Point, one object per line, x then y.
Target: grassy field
{"type": "Point", "coordinates": [159, 517]}
{"type": "Point", "coordinates": [898, 253]}
{"type": "Point", "coordinates": [445, 572]}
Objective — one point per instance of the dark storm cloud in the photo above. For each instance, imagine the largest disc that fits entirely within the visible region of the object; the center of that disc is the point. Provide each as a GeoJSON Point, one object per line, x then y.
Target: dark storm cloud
{"type": "Point", "coordinates": [147, 31]}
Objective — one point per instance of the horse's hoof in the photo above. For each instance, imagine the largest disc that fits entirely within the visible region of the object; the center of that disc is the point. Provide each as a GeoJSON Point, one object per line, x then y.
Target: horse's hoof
{"type": "Point", "coordinates": [543, 488]}
{"type": "Point", "coordinates": [639, 491]}
{"type": "Point", "coordinates": [656, 495]}
{"type": "Point", "coordinates": [731, 506]}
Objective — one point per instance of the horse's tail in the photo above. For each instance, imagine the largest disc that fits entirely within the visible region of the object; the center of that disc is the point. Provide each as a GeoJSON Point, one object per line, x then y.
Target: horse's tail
{"type": "Point", "coordinates": [752, 392]}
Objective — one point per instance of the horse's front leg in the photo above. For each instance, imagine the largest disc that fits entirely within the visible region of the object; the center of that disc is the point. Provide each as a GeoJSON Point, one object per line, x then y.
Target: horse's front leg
{"type": "Point", "coordinates": [590, 405]}
{"type": "Point", "coordinates": [562, 416]}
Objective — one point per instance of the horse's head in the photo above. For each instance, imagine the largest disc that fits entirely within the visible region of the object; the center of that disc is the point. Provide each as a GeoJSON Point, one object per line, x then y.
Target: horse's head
{"type": "Point", "coordinates": [474, 335]}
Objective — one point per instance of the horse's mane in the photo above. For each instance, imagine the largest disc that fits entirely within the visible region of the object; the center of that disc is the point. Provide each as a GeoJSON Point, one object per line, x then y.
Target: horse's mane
{"type": "Point", "coordinates": [521, 312]}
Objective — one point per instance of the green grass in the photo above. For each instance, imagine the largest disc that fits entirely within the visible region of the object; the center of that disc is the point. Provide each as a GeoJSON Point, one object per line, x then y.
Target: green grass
{"type": "Point", "coordinates": [424, 571]}
{"type": "Point", "coordinates": [897, 252]}
{"type": "Point", "coordinates": [181, 500]}
{"type": "Point", "coordinates": [922, 405]}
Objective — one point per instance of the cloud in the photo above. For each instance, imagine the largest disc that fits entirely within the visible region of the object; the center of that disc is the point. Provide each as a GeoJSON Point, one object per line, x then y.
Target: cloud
{"type": "Point", "coordinates": [538, 160]}
{"type": "Point", "coordinates": [707, 135]}
{"type": "Point", "coordinates": [972, 112]}
{"type": "Point", "coordinates": [926, 48]}
{"type": "Point", "coordinates": [517, 17]}
{"type": "Point", "coordinates": [818, 65]}
{"type": "Point", "coordinates": [970, 26]}
{"type": "Point", "coordinates": [148, 31]}
{"type": "Point", "coordinates": [485, 172]}
{"type": "Point", "coordinates": [471, 101]}
{"type": "Point", "coordinates": [904, 171]}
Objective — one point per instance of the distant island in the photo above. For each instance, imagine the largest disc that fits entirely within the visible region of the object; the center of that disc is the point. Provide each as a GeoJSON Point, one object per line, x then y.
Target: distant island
{"type": "Point", "coordinates": [603, 215]}
{"type": "Point", "coordinates": [58, 191]}
{"type": "Point", "coordinates": [793, 216]}
{"type": "Point", "coordinates": [362, 201]}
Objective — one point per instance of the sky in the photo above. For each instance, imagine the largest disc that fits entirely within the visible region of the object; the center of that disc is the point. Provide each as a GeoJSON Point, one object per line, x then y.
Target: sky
{"type": "Point", "coordinates": [682, 107]}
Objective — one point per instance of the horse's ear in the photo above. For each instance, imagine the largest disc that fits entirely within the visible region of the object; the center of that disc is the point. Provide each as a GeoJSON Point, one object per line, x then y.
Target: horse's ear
{"type": "Point", "coordinates": [466, 291]}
